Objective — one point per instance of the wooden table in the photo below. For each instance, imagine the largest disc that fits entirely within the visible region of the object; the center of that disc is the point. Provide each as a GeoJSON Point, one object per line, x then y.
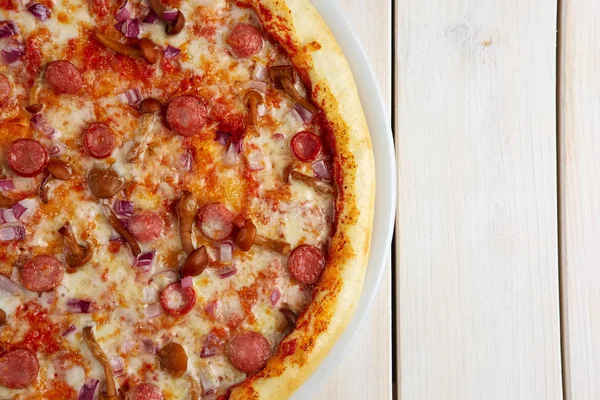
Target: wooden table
{"type": "Point", "coordinates": [497, 269]}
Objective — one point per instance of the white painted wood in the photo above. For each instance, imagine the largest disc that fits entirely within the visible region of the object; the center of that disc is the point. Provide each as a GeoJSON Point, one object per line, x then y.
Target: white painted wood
{"type": "Point", "coordinates": [580, 197]}
{"type": "Point", "coordinates": [366, 373]}
{"type": "Point", "coordinates": [477, 234]}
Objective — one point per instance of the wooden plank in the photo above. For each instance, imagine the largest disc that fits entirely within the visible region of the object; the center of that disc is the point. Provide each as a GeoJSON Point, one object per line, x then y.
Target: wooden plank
{"type": "Point", "coordinates": [477, 235]}
{"type": "Point", "coordinates": [580, 196]}
{"type": "Point", "coordinates": [367, 366]}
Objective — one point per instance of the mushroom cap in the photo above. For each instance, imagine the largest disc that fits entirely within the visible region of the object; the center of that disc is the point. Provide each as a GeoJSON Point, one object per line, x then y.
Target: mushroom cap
{"type": "Point", "coordinates": [279, 72]}
{"type": "Point", "coordinates": [253, 94]}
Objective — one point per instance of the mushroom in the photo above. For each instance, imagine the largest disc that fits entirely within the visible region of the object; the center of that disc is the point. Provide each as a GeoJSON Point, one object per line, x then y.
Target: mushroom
{"type": "Point", "coordinates": [289, 315]}
{"type": "Point", "coordinates": [149, 50]}
{"type": "Point", "coordinates": [247, 237]}
{"type": "Point", "coordinates": [118, 226]}
{"type": "Point", "coordinates": [173, 359]}
{"type": "Point", "coordinates": [150, 106]}
{"type": "Point", "coordinates": [76, 255]}
{"type": "Point", "coordinates": [104, 182]}
{"type": "Point", "coordinates": [252, 99]}
{"type": "Point", "coordinates": [146, 49]}
{"type": "Point", "coordinates": [96, 350]}
{"type": "Point", "coordinates": [195, 263]}
{"type": "Point", "coordinates": [5, 202]}
{"type": "Point", "coordinates": [283, 77]}
{"type": "Point", "coordinates": [172, 27]}
{"type": "Point", "coordinates": [45, 189]}
{"type": "Point", "coordinates": [187, 207]}
{"type": "Point", "coordinates": [59, 169]}
{"type": "Point", "coordinates": [318, 184]}
{"type": "Point", "coordinates": [145, 131]}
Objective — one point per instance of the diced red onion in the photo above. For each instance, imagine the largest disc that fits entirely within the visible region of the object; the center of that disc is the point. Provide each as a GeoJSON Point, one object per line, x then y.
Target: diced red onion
{"type": "Point", "coordinates": [227, 272]}
{"type": "Point", "coordinates": [151, 17]}
{"type": "Point", "coordinates": [185, 160]}
{"type": "Point", "coordinates": [149, 346]}
{"type": "Point", "coordinates": [187, 282]}
{"type": "Point", "coordinates": [258, 85]}
{"type": "Point", "coordinates": [144, 261]}
{"type": "Point", "coordinates": [7, 216]}
{"type": "Point", "coordinates": [42, 124]}
{"type": "Point", "coordinates": [226, 252]}
{"type": "Point", "coordinates": [22, 208]}
{"type": "Point", "coordinates": [211, 308]}
{"type": "Point", "coordinates": [171, 52]}
{"type": "Point", "coordinates": [306, 115]}
{"type": "Point", "coordinates": [296, 116]}
{"type": "Point", "coordinates": [275, 296]}
{"type": "Point", "coordinates": [121, 26]}
{"type": "Point", "coordinates": [231, 154]}
{"type": "Point", "coordinates": [7, 184]}
{"type": "Point", "coordinates": [278, 136]}
{"type": "Point", "coordinates": [255, 161]}
{"type": "Point", "coordinates": [261, 110]}
{"type": "Point", "coordinates": [72, 328]}
{"type": "Point", "coordinates": [320, 169]}
{"type": "Point", "coordinates": [39, 10]}
{"type": "Point", "coordinates": [153, 310]}
{"type": "Point", "coordinates": [208, 387]}
{"type": "Point", "coordinates": [170, 15]}
{"type": "Point", "coordinates": [118, 365]}
{"type": "Point", "coordinates": [132, 28]}
{"type": "Point", "coordinates": [9, 286]}
{"type": "Point", "coordinates": [57, 149]}
{"type": "Point", "coordinates": [131, 96]}
{"type": "Point", "coordinates": [211, 345]}
{"type": "Point", "coordinates": [122, 14]}
{"type": "Point", "coordinates": [12, 233]}
{"type": "Point", "coordinates": [79, 306]}
{"type": "Point", "coordinates": [128, 345]}
{"type": "Point", "coordinates": [88, 390]}
{"type": "Point", "coordinates": [8, 28]}
{"type": "Point", "coordinates": [222, 137]}
{"type": "Point", "coordinates": [13, 52]}
{"type": "Point", "coordinates": [123, 208]}
{"type": "Point", "coordinates": [260, 72]}
{"type": "Point", "coordinates": [17, 210]}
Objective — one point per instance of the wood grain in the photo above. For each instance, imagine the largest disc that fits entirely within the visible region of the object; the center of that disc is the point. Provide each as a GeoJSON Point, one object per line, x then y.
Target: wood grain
{"type": "Point", "coordinates": [477, 232]}
{"type": "Point", "coordinates": [579, 131]}
{"type": "Point", "coordinates": [366, 372]}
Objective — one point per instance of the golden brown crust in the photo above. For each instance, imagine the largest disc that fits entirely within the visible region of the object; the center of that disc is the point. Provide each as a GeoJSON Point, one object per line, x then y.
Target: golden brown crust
{"type": "Point", "coordinates": [297, 26]}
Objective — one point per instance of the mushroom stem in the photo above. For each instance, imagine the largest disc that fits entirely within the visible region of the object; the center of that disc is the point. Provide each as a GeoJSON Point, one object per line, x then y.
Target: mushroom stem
{"type": "Point", "coordinates": [290, 89]}
{"type": "Point", "coordinates": [118, 226]}
{"type": "Point", "coordinates": [252, 99]}
{"type": "Point", "coordinates": [44, 188]}
{"type": "Point", "coordinates": [319, 185]}
{"type": "Point", "coordinates": [5, 202]}
{"type": "Point", "coordinates": [187, 207]}
{"type": "Point", "coordinates": [76, 255]}
{"type": "Point", "coordinates": [276, 245]}
{"type": "Point", "coordinates": [157, 7]}
{"type": "Point", "coordinates": [90, 340]}
{"type": "Point", "coordinates": [118, 47]}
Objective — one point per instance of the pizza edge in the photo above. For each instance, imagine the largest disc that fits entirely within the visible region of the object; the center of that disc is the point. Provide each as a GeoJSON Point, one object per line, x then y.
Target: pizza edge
{"type": "Point", "coordinates": [298, 27]}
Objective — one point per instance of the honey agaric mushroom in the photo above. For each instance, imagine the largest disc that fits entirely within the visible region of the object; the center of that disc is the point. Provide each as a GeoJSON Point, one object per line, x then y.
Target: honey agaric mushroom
{"type": "Point", "coordinates": [59, 169]}
{"type": "Point", "coordinates": [195, 263]}
{"type": "Point", "coordinates": [171, 27]}
{"type": "Point", "coordinates": [187, 207]}
{"type": "Point", "coordinates": [96, 350]}
{"type": "Point", "coordinates": [283, 77]}
{"type": "Point", "coordinates": [252, 99]}
{"type": "Point", "coordinates": [150, 105]}
{"type": "Point", "coordinates": [76, 255]}
{"type": "Point", "coordinates": [44, 188]}
{"type": "Point", "coordinates": [104, 182]}
{"type": "Point", "coordinates": [247, 237]}
{"type": "Point", "coordinates": [146, 50]}
{"type": "Point", "coordinates": [118, 226]}
{"type": "Point", "coordinates": [149, 51]}
{"type": "Point", "coordinates": [318, 184]}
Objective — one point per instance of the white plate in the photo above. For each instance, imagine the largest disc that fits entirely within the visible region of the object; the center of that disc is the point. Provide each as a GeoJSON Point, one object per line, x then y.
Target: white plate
{"type": "Point", "coordinates": [385, 200]}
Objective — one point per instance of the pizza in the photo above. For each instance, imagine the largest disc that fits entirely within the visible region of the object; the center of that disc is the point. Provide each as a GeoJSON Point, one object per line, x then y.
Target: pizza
{"type": "Point", "coordinates": [186, 198]}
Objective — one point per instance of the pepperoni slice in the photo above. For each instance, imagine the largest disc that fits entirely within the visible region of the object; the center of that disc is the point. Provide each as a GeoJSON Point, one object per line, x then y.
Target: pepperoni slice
{"type": "Point", "coordinates": [146, 226]}
{"type": "Point", "coordinates": [176, 300]}
{"type": "Point", "coordinates": [42, 273]}
{"type": "Point", "coordinates": [4, 89]}
{"type": "Point", "coordinates": [18, 369]}
{"type": "Point", "coordinates": [98, 140]}
{"type": "Point", "coordinates": [245, 40]}
{"type": "Point", "coordinates": [216, 221]}
{"type": "Point", "coordinates": [63, 77]}
{"type": "Point", "coordinates": [146, 391]}
{"type": "Point", "coordinates": [27, 157]}
{"type": "Point", "coordinates": [186, 115]}
{"type": "Point", "coordinates": [306, 264]}
{"type": "Point", "coordinates": [249, 352]}
{"type": "Point", "coordinates": [306, 146]}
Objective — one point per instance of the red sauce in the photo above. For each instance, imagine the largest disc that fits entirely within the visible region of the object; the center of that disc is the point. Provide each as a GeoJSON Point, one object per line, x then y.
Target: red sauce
{"type": "Point", "coordinates": [10, 5]}
{"type": "Point", "coordinates": [33, 56]}
{"type": "Point", "coordinates": [42, 335]}
{"type": "Point", "coordinates": [59, 390]}
{"type": "Point", "coordinates": [248, 296]}
{"type": "Point", "coordinates": [288, 348]}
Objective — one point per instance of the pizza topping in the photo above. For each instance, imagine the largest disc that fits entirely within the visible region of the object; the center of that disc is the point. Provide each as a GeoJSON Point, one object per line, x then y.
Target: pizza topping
{"type": "Point", "coordinates": [63, 77]}
{"type": "Point", "coordinates": [289, 315]}
{"type": "Point", "coordinates": [88, 390]}
{"type": "Point", "coordinates": [246, 235]}
{"type": "Point", "coordinates": [5, 89]}
{"type": "Point", "coordinates": [306, 146]}
{"type": "Point", "coordinates": [150, 105]}
{"type": "Point", "coordinates": [252, 99]}
{"type": "Point", "coordinates": [249, 352]}
{"type": "Point", "coordinates": [176, 300]}
{"type": "Point", "coordinates": [146, 226]}
{"type": "Point", "coordinates": [146, 391]}
{"type": "Point", "coordinates": [176, 25]}
{"type": "Point", "coordinates": [59, 169]}
{"type": "Point", "coordinates": [27, 157]}
{"type": "Point", "coordinates": [2, 317]}
{"type": "Point", "coordinates": [306, 264]}
{"type": "Point", "coordinates": [145, 133]}
{"type": "Point", "coordinates": [8, 286]}
{"type": "Point", "coordinates": [146, 49]}
{"type": "Point", "coordinates": [41, 124]}
{"type": "Point", "coordinates": [186, 115]}
{"type": "Point", "coordinates": [212, 345]}
{"type": "Point", "coordinates": [8, 28]}
{"type": "Point", "coordinates": [104, 182]}
{"type": "Point", "coordinates": [76, 254]}
{"type": "Point", "coordinates": [171, 51]}
{"type": "Point", "coordinates": [284, 77]}
{"type": "Point", "coordinates": [13, 52]}
{"type": "Point", "coordinates": [98, 140]}
{"type": "Point", "coordinates": [173, 359]}
{"type": "Point", "coordinates": [195, 263]}
{"type": "Point", "coordinates": [245, 40]}
{"type": "Point", "coordinates": [321, 186]}
{"type": "Point", "coordinates": [12, 233]}
{"type": "Point", "coordinates": [149, 50]}
{"type": "Point", "coordinates": [216, 221]}
{"type": "Point", "coordinates": [187, 207]}
{"type": "Point", "coordinates": [35, 108]}
{"type": "Point", "coordinates": [39, 10]}
{"type": "Point", "coordinates": [96, 350]}
{"type": "Point", "coordinates": [42, 273]}
{"type": "Point", "coordinates": [305, 115]}
{"type": "Point", "coordinates": [118, 226]}
{"type": "Point", "coordinates": [18, 369]}
{"type": "Point", "coordinates": [321, 170]}
{"type": "Point", "coordinates": [276, 245]}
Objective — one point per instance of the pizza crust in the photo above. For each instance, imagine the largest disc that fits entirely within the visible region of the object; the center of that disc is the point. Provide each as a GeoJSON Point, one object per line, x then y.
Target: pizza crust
{"type": "Point", "coordinates": [297, 26]}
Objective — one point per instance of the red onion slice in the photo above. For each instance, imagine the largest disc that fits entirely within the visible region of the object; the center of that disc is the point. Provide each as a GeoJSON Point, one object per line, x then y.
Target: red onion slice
{"type": "Point", "coordinates": [187, 282]}
{"type": "Point", "coordinates": [88, 390]}
{"type": "Point", "coordinates": [145, 260]}
{"type": "Point", "coordinates": [186, 160]}
{"type": "Point", "coordinates": [7, 184]}
{"type": "Point", "coordinates": [24, 208]}
{"type": "Point", "coordinates": [18, 211]}
{"type": "Point", "coordinates": [123, 208]}
{"type": "Point", "coordinates": [79, 306]}
{"type": "Point", "coordinates": [13, 52]}
{"type": "Point", "coordinates": [57, 149]}
{"type": "Point", "coordinates": [321, 170]}
{"type": "Point", "coordinates": [227, 272]}
{"type": "Point", "coordinates": [258, 85]}
{"type": "Point", "coordinates": [127, 345]}
{"type": "Point", "coordinates": [222, 137]}
{"type": "Point", "coordinates": [255, 161]}
{"type": "Point", "coordinates": [225, 252]}
{"type": "Point", "coordinates": [170, 15]}
{"type": "Point", "coordinates": [122, 14]}
{"type": "Point", "coordinates": [7, 216]}
{"type": "Point", "coordinates": [149, 346]}
{"type": "Point", "coordinates": [39, 10]}
{"type": "Point", "coordinates": [131, 97]}
{"type": "Point", "coordinates": [41, 124]}
{"type": "Point", "coordinates": [72, 328]}
{"type": "Point", "coordinates": [154, 310]}
{"type": "Point", "coordinates": [212, 345]}
{"type": "Point", "coordinates": [259, 73]}
{"type": "Point", "coordinates": [305, 115]}
{"type": "Point", "coordinates": [9, 286]}
{"type": "Point", "coordinates": [151, 17]}
{"type": "Point", "coordinates": [171, 52]}
{"type": "Point", "coordinates": [275, 296]}
{"type": "Point", "coordinates": [118, 365]}
{"type": "Point", "coordinates": [8, 28]}
{"type": "Point", "coordinates": [12, 233]}
{"type": "Point", "coordinates": [132, 29]}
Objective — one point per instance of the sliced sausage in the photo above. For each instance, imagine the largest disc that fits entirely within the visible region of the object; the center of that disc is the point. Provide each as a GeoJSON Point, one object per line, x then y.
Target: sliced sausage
{"type": "Point", "coordinates": [98, 140]}
{"type": "Point", "coordinates": [42, 273]}
{"type": "Point", "coordinates": [176, 300]}
{"type": "Point", "coordinates": [245, 40]}
{"type": "Point", "coordinates": [27, 157]}
{"type": "Point", "coordinates": [146, 226]}
{"type": "Point", "coordinates": [216, 221]}
{"type": "Point", "coordinates": [63, 77]}
{"type": "Point", "coordinates": [306, 146]}
{"type": "Point", "coordinates": [4, 89]}
{"type": "Point", "coordinates": [146, 391]}
{"type": "Point", "coordinates": [18, 369]}
{"type": "Point", "coordinates": [306, 264]}
{"type": "Point", "coordinates": [249, 352]}
{"type": "Point", "coordinates": [186, 115]}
